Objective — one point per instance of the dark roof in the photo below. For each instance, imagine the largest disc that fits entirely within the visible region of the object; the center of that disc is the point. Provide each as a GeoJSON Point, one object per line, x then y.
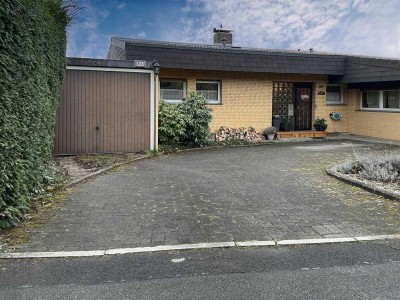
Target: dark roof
{"type": "Point", "coordinates": [220, 58]}
{"type": "Point", "coordinates": [105, 63]}
{"type": "Point", "coordinates": [172, 55]}
{"type": "Point", "coordinates": [367, 69]}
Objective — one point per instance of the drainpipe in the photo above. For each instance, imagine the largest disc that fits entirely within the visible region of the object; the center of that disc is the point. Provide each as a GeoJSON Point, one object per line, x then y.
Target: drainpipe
{"type": "Point", "coordinates": [156, 70]}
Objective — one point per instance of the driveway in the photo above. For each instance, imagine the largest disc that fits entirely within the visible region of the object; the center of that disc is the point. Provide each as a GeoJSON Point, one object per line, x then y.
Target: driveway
{"type": "Point", "coordinates": [278, 191]}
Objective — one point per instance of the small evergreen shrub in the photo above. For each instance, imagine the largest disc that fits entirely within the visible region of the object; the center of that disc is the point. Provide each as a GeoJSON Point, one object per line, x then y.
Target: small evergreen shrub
{"type": "Point", "coordinates": [171, 124]}
{"type": "Point", "coordinates": [195, 108]}
{"type": "Point", "coordinates": [185, 123]}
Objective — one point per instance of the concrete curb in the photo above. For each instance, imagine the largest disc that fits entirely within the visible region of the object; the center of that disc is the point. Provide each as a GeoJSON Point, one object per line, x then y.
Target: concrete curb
{"type": "Point", "coordinates": [198, 246]}
{"type": "Point", "coordinates": [331, 170]}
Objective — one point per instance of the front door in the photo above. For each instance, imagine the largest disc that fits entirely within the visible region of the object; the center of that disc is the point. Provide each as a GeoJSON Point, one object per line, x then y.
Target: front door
{"type": "Point", "coordinates": [302, 103]}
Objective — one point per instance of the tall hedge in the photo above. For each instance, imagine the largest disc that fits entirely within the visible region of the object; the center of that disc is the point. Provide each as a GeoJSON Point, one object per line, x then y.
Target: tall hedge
{"type": "Point", "coordinates": [32, 65]}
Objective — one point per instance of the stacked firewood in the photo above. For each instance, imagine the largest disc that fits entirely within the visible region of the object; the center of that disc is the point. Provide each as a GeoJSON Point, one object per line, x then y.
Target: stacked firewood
{"type": "Point", "coordinates": [227, 133]}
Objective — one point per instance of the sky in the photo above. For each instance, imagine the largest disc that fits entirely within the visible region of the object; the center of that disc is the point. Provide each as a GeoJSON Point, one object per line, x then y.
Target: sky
{"type": "Point", "coordinates": [365, 27]}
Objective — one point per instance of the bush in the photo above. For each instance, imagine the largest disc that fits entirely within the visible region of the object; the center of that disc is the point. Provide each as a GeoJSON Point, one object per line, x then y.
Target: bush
{"type": "Point", "coordinates": [32, 58]}
{"type": "Point", "coordinates": [197, 131]}
{"type": "Point", "coordinates": [184, 123]}
{"type": "Point", "coordinates": [382, 167]}
{"type": "Point", "coordinates": [171, 124]}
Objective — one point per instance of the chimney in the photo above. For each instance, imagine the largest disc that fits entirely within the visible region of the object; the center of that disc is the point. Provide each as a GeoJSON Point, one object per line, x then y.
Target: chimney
{"type": "Point", "coordinates": [222, 36]}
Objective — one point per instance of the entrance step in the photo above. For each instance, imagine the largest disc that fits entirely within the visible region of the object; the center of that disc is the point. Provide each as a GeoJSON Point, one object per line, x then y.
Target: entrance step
{"type": "Point", "coordinates": [301, 134]}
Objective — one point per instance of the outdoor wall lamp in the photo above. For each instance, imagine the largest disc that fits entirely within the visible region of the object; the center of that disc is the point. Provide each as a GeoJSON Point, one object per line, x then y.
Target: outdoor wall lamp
{"type": "Point", "coordinates": [156, 68]}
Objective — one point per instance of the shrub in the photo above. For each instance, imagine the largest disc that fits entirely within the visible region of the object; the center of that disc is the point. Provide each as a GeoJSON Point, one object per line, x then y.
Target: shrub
{"type": "Point", "coordinates": [383, 167]}
{"type": "Point", "coordinates": [197, 131]}
{"type": "Point", "coordinates": [32, 55]}
{"type": "Point", "coordinates": [184, 123]}
{"type": "Point", "coordinates": [171, 124]}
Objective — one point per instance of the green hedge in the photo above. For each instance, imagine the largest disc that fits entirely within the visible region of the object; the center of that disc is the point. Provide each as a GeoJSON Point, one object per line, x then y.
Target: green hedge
{"type": "Point", "coordinates": [32, 65]}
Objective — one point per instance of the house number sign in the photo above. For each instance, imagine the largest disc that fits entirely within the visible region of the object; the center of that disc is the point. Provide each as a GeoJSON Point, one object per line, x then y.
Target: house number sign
{"type": "Point", "coordinates": [322, 91]}
{"type": "Point", "coordinates": [139, 63]}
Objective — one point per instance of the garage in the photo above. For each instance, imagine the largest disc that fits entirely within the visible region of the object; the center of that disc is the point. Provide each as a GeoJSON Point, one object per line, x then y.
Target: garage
{"type": "Point", "coordinates": [106, 107]}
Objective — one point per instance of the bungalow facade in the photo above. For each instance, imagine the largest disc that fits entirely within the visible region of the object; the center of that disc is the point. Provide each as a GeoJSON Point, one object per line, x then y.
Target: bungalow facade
{"type": "Point", "coordinates": [250, 86]}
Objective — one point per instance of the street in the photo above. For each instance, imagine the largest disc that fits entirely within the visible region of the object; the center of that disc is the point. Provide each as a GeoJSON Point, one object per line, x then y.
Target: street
{"type": "Point", "coordinates": [335, 271]}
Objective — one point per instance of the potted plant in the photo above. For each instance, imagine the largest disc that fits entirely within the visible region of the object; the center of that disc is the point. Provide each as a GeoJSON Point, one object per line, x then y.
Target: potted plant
{"type": "Point", "coordinates": [276, 121]}
{"type": "Point", "coordinates": [270, 133]}
{"type": "Point", "coordinates": [320, 124]}
{"type": "Point", "coordinates": [287, 124]}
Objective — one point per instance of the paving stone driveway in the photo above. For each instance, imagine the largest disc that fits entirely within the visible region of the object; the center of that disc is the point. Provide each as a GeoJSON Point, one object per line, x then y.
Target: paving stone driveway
{"type": "Point", "coordinates": [277, 191]}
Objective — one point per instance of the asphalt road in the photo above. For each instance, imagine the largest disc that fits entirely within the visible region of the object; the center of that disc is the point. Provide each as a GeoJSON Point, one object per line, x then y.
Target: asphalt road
{"type": "Point", "coordinates": [341, 271]}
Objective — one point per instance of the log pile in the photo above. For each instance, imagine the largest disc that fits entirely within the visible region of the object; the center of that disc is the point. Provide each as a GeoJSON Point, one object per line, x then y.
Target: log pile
{"type": "Point", "coordinates": [227, 133]}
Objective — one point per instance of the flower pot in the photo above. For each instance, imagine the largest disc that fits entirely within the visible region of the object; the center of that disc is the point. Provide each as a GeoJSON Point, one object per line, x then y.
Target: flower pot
{"type": "Point", "coordinates": [270, 136]}
{"type": "Point", "coordinates": [321, 127]}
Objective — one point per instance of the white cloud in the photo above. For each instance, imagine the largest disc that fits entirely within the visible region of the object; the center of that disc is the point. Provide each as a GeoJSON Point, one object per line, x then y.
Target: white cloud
{"type": "Point", "coordinates": [347, 26]}
{"type": "Point", "coordinates": [120, 5]}
{"type": "Point", "coordinates": [141, 34]}
{"type": "Point", "coordinates": [369, 27]}
{"type": "Point", "coordinates": [84, 37]}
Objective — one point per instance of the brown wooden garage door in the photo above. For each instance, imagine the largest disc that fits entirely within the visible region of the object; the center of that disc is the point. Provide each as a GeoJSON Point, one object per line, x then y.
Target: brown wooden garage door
{"type": "Point", "coordinates": [104, 112]}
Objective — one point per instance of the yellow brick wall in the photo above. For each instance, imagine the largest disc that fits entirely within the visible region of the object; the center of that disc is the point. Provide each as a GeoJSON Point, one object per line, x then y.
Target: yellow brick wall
{"type": "Point", "coordinates": [323, 110]}
{"type": "Point", "coordinates": [367, 123]}
{"type": "Point", "coordinates": [246, 98]}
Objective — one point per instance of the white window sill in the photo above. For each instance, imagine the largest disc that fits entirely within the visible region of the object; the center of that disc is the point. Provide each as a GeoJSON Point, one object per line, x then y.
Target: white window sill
{"type": "Point", "coordinates": [173, 101]}
{"type": "Point", "coordinates": [335, 103]}
{"type": "Point", "coordinates": [213, 102]}
{"type": "Point", "coordinates": [379, 110]}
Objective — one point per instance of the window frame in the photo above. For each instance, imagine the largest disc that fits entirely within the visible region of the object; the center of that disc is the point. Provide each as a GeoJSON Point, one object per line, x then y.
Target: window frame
{"type": "Point", "coordinates": [176, 101]}
{"type": "Point", "coordinates": [380, 108]}
{"type": "Point", "coordinates": [341, 95]}
{"type": "Point", "coordinates": [219, 90]}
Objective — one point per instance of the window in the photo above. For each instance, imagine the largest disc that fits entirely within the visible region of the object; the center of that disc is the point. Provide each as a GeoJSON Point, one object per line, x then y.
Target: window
{"type": "Point", "coordinates": [380, 100]}
{"type": "Point", "coordinates": [391, 99]}
{"type": "Point", "coordinates": [370, 99]}
{"type": "Point", "coordinates": [210, 90]}
{"type": "Point", "coordinates": [334, 94]}
{"type": "Point", "coordinates": [172, 91]}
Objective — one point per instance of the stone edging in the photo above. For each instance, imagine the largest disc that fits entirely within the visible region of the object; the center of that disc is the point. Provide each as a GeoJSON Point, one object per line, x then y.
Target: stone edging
{"type": "Point", "coordinates": [101, 171]}
{"type": "Point", "coordinates": [331, 170]}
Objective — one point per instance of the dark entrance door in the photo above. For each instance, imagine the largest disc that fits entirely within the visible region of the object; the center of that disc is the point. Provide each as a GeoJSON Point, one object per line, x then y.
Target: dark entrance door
{"type": "Point", "coordinates": [302, 104]}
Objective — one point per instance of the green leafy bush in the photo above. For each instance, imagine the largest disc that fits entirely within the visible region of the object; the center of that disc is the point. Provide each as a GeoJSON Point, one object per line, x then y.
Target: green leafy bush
{"type": "Point", "coordinates": [184, 123]}
{"type": "Point", "coordinates": [32, 65]}
{"type": "Point", "coordinates": [171, 124]}
{"type": "Point", "coordinates": [195, 108]}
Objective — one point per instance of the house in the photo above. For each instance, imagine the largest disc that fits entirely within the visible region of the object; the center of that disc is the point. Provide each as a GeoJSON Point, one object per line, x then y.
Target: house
{"type": "Point", "coordinates": [249, 86]}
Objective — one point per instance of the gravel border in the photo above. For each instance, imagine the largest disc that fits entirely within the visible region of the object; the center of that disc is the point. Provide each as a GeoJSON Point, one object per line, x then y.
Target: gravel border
{"type": "Point", "coordinates": [331, 170]}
